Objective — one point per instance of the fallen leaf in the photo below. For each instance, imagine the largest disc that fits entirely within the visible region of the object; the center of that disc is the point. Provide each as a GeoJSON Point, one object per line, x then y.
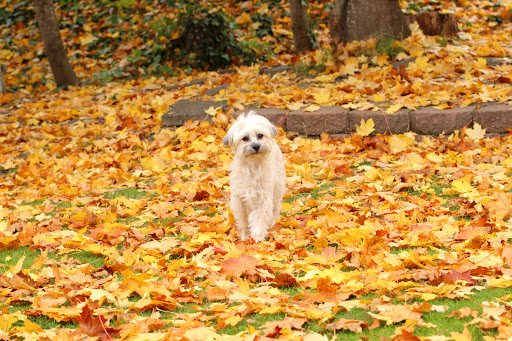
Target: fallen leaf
{"type": "Point", "coordinates": [365, 128]}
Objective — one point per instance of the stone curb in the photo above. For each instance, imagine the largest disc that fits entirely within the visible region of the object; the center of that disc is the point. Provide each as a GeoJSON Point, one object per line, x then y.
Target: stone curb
{"type": "Point", "coordinates": [493, 117]}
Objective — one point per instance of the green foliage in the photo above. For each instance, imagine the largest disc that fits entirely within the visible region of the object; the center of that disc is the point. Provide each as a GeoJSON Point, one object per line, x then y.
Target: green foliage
{"type": "Point", "coordinates": [386, 45]}
{"type": "Point", "coordinates": [129, 193]}
{"type": "Point", "coordinates": [18, 12]}
{"type": "Point", "coordinates": [107, 76]}
{"type": "Point", "coordinates": [264, 24]}
{"type": "Point", "coordinates": [207, 40]}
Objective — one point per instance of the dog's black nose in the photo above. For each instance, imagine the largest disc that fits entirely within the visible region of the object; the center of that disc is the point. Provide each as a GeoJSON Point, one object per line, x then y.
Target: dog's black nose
{"type": "Point", "coordinates": [256, 147]}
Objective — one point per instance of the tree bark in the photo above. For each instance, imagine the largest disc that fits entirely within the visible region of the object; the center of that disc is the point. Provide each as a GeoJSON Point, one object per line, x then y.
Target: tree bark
{"type": "Point", "coordinates": [3, 88]}
{"type": "Point", "coordinates": [437, 24]}
{"type": "Point", "coordinates": [300, 26]}
{"type": "Point", "coordinates": [362, 19]}
{"type": "Point", "coordinates": [53, 45]}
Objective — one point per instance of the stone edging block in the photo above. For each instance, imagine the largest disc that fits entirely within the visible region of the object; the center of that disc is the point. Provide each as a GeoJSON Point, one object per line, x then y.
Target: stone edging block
{"type": "Point", "coordinates": [397, 122]}
{"type": "Point", "coordinates": [330, 120]}
{"type": "Point", "coordinates": [431, 121]}
{"type": "Point", "coordinates": [184, 110]}
{"type": "Point", "coordinates": [495, 118]}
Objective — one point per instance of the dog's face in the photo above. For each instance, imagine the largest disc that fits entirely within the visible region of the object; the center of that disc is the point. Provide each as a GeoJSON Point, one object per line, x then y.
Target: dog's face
{"type": "Point", "coordinates": [251, 135]}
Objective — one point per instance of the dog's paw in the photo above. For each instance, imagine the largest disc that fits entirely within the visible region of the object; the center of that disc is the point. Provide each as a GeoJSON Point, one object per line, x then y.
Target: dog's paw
{"type": "Point", "coordinates": [244, 235]}
{"type": "Point", "coordinates": [259, 237]}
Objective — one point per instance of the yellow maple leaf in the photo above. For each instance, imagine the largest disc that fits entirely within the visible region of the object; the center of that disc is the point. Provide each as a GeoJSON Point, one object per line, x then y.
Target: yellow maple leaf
{"type": "Point", "coordinates": [233, 320]}
{"type": "Point", "coordinates": [88, 39]}
{"type": "Point", "coordinates": [312, 108]}
{"type": "Point", "coordinates": [6, 321]}
{"type": "Point", "coordinates": [175, 34]}
{"type": "Point", "coordinates": [394, 108]}
{"type": "Point", "coordinates": [501, 206]}
{"type": "Point", "coordinates": [379, 98]}
{"type": "Point", "coordinates": [29, 327]}
{"type": "Point", "coordinates": [400, 142]}
{"type": "Point", "coordinates": [476, 133]}
{"type": "Point", "coordinates": [365, 128]}
{"type": "Point", "coordinates": [382, 59]}
{"type": "Point", "coordinates": [322, 97]}
{"type": "Point", "coordinates": [294, 106]}
{"type": "Point", "coordinates": [462, 186]}
{"type": "Point", "coordinates": [350, 67]}
{"type": "Point", "coordinates": [421, 62]}
{"type": "Point", "coordinates": [244, 19]}
{"type": "Point", "coordinates": [212, 111]}
{"type": "Point", "coordinates": [327, 78]}
{"type": "Point", "coordinates": [17, 268]}
{"type": "Point", "coordinates": [464, 336]}
{"type": "Point", "coordinates": [151, 163]}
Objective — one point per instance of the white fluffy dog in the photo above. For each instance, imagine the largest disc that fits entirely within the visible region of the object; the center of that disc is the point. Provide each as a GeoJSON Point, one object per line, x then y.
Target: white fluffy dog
{"type": "Point", "coordinates": [258, 178]}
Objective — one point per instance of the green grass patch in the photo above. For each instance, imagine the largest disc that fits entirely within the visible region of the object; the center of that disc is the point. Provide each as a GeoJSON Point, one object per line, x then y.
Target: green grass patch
{"type": "Point", "coordinates": [34, 203]}
{"type": "Point", "coordinates": [255, 320]}
{"type": "Point", "coordinates": [9, 257]}
{"type": "Point", "coordinates": [86, 257]}
{"type": "Point", "coordinates": [130, 193]}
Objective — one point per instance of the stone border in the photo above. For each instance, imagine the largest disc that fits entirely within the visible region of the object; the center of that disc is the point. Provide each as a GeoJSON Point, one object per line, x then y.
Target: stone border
{"type": "Point", "coordinates": [494, 118]}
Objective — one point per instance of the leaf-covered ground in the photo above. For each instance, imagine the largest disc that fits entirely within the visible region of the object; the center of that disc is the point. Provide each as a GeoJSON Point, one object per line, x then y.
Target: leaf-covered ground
{"type": "Point", "coordinates": [112, 227]}
{"type": "Point", "coordinates": [124, 230]}
{"type": "Point", "coordinates": [129, 40]}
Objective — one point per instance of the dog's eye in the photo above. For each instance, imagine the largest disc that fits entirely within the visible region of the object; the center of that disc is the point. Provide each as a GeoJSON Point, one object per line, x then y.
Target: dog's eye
{"type": "Point", "coordinates": [260, 136]}
{"type": "Point", "coordinates": [245, 139]}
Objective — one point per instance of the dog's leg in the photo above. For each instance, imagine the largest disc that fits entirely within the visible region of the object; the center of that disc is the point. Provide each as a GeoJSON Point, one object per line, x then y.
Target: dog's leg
{"type": "Point", "coordinates": [277, 209]}
{"type": "Point", "coordinates": [279, 190]}
{"type": "Point", "coordinates": [261, 219]}
{"type": "Point", "coordinates": [240, 214]}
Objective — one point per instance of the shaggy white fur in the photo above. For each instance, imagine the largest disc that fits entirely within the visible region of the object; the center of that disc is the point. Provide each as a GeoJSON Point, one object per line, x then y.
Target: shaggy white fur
{"type": "Point", "coordinates": [258, 178]}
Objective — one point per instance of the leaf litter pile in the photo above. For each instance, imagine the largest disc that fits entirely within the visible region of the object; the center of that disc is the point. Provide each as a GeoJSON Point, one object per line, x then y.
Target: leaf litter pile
{"type": "Point", "coordinates": [382, 224]}
{"type": "Point", "coordinates": [112, 227]}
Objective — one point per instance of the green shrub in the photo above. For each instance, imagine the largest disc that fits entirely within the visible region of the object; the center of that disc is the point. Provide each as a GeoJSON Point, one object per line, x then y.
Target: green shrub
{"type": "Point", "coordinates": [207, 40]}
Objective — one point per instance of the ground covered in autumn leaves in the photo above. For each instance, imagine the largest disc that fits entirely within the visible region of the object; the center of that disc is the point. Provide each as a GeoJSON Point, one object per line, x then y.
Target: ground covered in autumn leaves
{"type": "Point", "coordinates": [112, 227]}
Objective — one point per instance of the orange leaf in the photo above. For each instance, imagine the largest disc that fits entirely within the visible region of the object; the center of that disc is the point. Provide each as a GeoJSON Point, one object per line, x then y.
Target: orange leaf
{"type": "Point", "coordinates": [238, 266]}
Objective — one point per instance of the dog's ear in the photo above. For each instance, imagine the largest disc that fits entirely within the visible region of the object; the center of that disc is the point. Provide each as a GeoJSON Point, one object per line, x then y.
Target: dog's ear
{"type": "Point", "coordinates": [273, 130]}
{"type": "Point", "coordinates": [228, 139]}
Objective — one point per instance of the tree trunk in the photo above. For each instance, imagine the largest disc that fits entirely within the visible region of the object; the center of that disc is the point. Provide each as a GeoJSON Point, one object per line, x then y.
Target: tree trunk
{"type": "Point", "coordinates": [436, 23]}
{"type": "Point", "coordinates": [300, 26]}
{"type": "Point", "coordinates": [362, 19]}
{"type": "Point", "coordinates": [53, 46]}
{"type": "Point", "coordinates": [3, 88]}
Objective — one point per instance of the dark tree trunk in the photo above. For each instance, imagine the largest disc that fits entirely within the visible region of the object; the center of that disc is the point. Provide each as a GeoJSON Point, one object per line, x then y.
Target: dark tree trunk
{"type": "Point", "coordinates": [362, 19]}
{"type": "Point", "coordinates": [53, 46]}
{"type": "Point", "coordinates": [3, 88]}
{"type": "Point", "coordinates": [300, 26]}
{"type": "Point", "coordinates": [436, 24]}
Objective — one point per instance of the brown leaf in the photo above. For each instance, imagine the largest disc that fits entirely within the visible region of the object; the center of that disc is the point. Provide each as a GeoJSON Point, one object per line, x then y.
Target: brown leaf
{"type": "Point", "coordinates": [506, 254]}
{"type": "Point", "coordinates": [284, 280]}
{"type": "Point", "coordinates": [454, 276]}
{"type": "Point", "coordinates": [83, 218]}
{"type": "Point", "coordinates": [274, 327]}
{"type": "Point", "coordinates": [215, 293]}
{"type": "Point", "coordinates": [326, 291]}
{"type": "Point", "coordinates": [405, 336]}
{"type": "Point", "coordinates": [95, 326]}
{"type": "Point", "coordinates": [463, 312]}
{"type": "Point", "coordinates": [355, 326]}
